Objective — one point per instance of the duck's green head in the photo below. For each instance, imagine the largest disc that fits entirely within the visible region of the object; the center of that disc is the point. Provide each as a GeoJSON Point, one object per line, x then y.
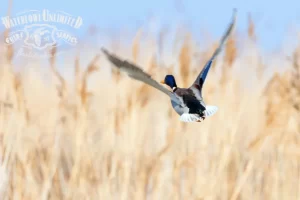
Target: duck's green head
{"type": "Point", "coordinates": [170, 81]}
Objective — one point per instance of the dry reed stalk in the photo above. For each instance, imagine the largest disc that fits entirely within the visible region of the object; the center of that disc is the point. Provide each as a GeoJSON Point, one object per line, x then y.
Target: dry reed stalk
{"type": "Point", "coordinates": [52, 58]}
{"type": "Point", "coordinates": [185, 60]}
{"type": "Point", "coordinates": [277, 91]}
{"type": "Point", "coordinates": [117, 117]}
{"type": "Point", "coordinates": [230, 50]}
{"type": "Point", "coordinates": [295, 81]}
{"type": "Point", "coordinates": [176, 180]}
{"type": "Point", "coordinates": [230, 57]}
{"type": "Point", "coordinates": [9, 49]}
{"type": "Point", "coordinates": [243, 179]}
{"type": "Point", "coordinates": [188, 165]}
{"type": "Point", "coordinates": [62, 88]}
{"type": "Point", "coordinates": [171, 134]}
{"type": "Point", "coordinates": [251, 29]}
{"type": "Point", "coordinates": [285, 88]}
{"type": "Point", "coordinates": [151, 169]}
{"type": "Point", "coordinates": [276, 94]}
{"type": "Point", "coordinates": [116, 74]}
{"type": "Point", "coordinates": [161, 39]}
{"type": "Point", "coordinates": [260, 69]}
{"type": "Point", "coordinates": [77, 72]}
{"type": "Point", "coordinates": [129, 105]}
{"type": "Point", "coordinates": [148, 170]}
{"type": "Point", "coordinates": [231, 173]}
{"type": "Point", "coordinates": [135, 52]}
{"type": "Point", "coordinates": [145, 91]}
{"type": "Point", "coordinates": [253, 38]}
{"type": "Point", "coordinates": [78, 81]}
{"type": "Point", "coordinates": [84, 94]}
{"type": "Point", "coordinates": [170, 69]}
{"type": "Point", "coordinates": [152, 65]}
{"type": "Point", "coordinates": [280, 90]}
{"type": "Point", "coordinates": [295, 85]}
{"type": "Point", "coordinates": [21, 105]}
{"type": "Point", "coordinates": [136, 46]}
{"type": "Point", "coordinates": [178, 38]}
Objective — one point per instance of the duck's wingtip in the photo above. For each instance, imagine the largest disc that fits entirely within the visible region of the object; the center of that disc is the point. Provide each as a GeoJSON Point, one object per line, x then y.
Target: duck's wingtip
{"type": "Point", "coordinates": [104, 50]}
{"type": "Point", "coordinates": [234, 13]}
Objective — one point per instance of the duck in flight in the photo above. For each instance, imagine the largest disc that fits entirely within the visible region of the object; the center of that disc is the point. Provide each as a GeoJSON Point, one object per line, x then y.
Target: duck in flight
{"type": "Point", "coordinates": [187, 102]}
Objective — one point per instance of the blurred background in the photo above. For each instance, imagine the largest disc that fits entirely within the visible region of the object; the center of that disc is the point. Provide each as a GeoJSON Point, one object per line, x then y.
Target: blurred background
{"type": "Point", "coordinates": [73, 127]}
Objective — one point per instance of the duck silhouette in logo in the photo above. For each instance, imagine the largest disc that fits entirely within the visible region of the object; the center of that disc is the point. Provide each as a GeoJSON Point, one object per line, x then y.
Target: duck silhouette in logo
{"type": "Point", "coordinates": [39, 36]}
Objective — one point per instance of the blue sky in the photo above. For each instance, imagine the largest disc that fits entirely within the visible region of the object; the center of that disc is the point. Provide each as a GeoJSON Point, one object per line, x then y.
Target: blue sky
{"type": "Point", "coordinates": [273, 18]}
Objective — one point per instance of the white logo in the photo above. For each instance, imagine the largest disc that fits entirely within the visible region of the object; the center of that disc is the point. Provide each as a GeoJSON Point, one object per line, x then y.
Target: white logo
{"type": "Point", "coordinates": [39, 31]}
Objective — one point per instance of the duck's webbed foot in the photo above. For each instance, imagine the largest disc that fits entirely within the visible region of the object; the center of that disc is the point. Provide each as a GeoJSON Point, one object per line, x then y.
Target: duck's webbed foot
{"type": "Point", "coordinates": [202, 119]}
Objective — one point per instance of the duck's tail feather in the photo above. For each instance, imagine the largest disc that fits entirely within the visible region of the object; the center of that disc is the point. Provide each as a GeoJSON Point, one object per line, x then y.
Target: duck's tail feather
{"type": "Point", "coordinates": [210, 110]}
{"type": "Point", "coordinates": [187, 117]}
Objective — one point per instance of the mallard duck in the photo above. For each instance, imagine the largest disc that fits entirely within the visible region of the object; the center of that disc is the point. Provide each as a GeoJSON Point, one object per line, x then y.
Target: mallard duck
{"type": "Point", "coordinates": [187, 102]}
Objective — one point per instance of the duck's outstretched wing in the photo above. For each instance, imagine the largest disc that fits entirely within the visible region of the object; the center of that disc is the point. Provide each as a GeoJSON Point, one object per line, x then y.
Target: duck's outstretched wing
{"type": "Point", "coordinates": [137, 73]}
{"type": "Point", "coordinates": [198, 83]}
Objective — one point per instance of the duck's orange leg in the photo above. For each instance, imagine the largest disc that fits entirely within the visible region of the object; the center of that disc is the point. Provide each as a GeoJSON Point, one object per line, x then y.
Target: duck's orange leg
{"type": "Point", "coordinates": [203, 118]}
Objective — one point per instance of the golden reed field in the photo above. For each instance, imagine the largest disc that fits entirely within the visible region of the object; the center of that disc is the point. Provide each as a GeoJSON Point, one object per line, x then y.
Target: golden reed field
{"type": "Point", "coordinates": [84, 131]}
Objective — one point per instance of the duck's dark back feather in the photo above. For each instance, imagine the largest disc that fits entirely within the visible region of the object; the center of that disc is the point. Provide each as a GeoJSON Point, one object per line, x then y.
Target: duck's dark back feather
{"type": "Point", "coordinates": [184, 91]}
{"type": "Point", "coordinates": [190, 100]}
{"type": "Point", "coordinates": [195, 107]}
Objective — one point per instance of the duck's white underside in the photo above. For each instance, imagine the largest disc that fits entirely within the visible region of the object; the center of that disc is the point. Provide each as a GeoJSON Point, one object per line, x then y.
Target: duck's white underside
{"type": "Point", "coordinates": [210, 110]}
